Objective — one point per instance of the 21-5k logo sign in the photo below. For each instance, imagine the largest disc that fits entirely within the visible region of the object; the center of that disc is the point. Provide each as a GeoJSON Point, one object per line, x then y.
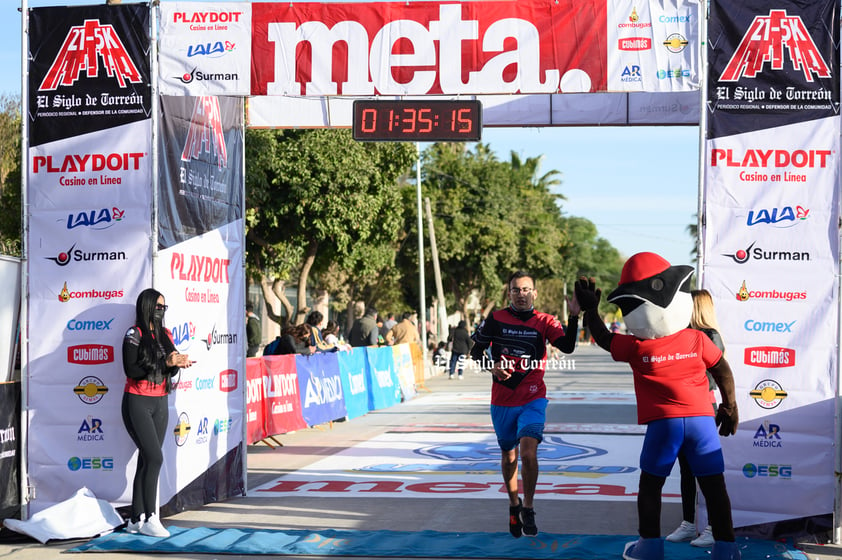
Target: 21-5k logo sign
{"type": "Point", "coordinates": [766, 41]}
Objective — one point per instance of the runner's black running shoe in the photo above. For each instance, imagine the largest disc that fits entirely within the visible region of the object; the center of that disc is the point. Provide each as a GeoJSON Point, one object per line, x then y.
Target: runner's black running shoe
{"type": "Point", "coordinates": [515, 525]}
{"type": "Point", "coordinates": [529, 527]}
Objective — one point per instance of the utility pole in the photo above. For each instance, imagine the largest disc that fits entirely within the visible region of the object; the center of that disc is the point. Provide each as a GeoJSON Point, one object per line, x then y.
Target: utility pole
{"type": "Point", "coordinates": [441, 334]}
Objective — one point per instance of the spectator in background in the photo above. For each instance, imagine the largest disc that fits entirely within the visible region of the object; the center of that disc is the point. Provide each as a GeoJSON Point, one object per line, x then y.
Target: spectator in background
{"type": "Point", "coordinates": [460, 347]}
{"type": "Point", "coordinates": [405, 331]}
{"type": "Point", "coordinates": [364, 332]}
{"type": "Point", "coordinates": [293, 340]}
{"type": "Point", "coordinates": [389, 322]}
{"type": "Point", "coordinates": [252, 331]}
{"type": "Point", "coordinates": [439, 355]}
{"type": "Point", "coordinates": [331, 336]}
{"type": "Point", "coordinates": [313, 321]}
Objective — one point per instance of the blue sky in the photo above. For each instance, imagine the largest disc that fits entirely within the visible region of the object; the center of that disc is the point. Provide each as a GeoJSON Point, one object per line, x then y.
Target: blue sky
{"type": "Point", "coordinates": [639, 185]}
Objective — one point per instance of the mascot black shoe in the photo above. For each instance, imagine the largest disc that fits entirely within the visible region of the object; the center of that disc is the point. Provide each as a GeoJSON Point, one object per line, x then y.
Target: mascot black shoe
{"type": "Point", "coordinates": [669, 362]}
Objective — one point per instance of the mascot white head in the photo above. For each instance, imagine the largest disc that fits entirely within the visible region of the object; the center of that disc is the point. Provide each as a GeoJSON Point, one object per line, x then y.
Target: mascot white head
{"type": "Point", "coordinates": [654, 296]}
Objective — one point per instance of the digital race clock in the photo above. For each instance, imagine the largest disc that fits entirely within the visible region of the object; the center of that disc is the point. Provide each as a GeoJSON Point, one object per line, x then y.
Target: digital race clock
{"type": "Point", "coordinates": [436, 120]}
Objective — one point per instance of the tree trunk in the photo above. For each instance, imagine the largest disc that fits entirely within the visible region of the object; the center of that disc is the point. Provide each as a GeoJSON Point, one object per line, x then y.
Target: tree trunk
{"type": "Point", "coordinates": [309, 258]}
{"type": "Point", "coordinates": [275, 292]}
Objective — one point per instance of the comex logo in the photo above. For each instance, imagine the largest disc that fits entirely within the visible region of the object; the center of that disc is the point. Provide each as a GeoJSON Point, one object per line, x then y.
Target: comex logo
{"type": "Point", "coordinates": [83, 47]}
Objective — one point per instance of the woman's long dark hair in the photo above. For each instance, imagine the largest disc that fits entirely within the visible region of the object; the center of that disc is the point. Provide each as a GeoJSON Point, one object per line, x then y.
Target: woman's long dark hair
{"type": "Point", "coordinates": [149, 351]}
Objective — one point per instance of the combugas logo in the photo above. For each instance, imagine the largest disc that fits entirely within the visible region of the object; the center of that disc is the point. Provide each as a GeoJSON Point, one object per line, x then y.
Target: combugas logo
{"type": "Point", "coordinates": [206, 133]}
{"type": "Point", "coordinates": [85, 49]}
{"type": "Point", "coordinates": [744, 294]}
{"type": "Point", "coordinates": [768, 394]}
{"type": "Point", "coordinates": [766, 40]}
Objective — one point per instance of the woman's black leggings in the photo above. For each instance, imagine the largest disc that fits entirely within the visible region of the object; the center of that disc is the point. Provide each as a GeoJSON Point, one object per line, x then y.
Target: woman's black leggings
{"type": "Point", "coordinates": [146, 421]}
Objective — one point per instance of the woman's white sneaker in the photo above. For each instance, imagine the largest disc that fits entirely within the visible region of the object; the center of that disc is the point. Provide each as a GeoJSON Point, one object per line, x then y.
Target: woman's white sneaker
{"type": "Point", "coordinates": [685, 532]}
{"type": "Point", "coordinates": [152, 527]}
{"type": "Point", "coordinates": [134, 528]}
{"type": "Point", "coordinates": [705, 539]}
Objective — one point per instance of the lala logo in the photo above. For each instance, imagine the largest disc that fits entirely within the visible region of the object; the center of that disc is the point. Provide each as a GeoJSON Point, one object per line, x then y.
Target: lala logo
{"type": "Point", "coordinates": [765, 41]}
{"type": "Point", "coordinates": [83, 48]}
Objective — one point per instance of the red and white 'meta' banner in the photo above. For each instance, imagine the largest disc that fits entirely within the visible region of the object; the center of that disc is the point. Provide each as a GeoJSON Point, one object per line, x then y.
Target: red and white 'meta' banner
{"type": "Point", "coordinates": [771, 247]}
{"type": "Point", "coordinates": [306, 61]}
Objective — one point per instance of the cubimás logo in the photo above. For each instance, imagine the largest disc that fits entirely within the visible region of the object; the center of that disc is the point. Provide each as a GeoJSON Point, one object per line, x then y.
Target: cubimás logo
{"type": "Point", "coordinates": [90, 354]}
{"type": "Point", "coordinates": [769, 356]}
{"type": "Point", "coordinates": [742, 256]}
{"type": "Point", "coordinates": [634, 43]}
{"type": "Point", "coordinates": [768, 394]}
{"type": "Point", "coordinates": [84, 48]}
{"type": "Point", "coordinates": [90, 389]}
{"type": "Point", "coordinates": [766, 40]}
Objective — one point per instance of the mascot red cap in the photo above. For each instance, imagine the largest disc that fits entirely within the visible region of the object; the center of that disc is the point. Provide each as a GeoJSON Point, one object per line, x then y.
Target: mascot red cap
{"type": "Point", "coordinates": [654, 296]}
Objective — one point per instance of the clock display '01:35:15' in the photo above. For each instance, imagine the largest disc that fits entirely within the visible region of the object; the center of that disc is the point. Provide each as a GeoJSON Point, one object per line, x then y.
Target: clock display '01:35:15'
{"type": "Point", "coordinates": [435, 120]}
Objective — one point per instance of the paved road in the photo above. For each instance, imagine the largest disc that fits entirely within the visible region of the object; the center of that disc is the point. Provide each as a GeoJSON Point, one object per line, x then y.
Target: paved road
{"type": "Point", "coordinates": [591, 399]}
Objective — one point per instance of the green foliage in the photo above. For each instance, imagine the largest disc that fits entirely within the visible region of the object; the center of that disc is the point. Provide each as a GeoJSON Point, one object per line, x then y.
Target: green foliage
{"type": "Point", "coordinates": [10, 216]}
{"type": "Point", "coordinates": [318, 198]}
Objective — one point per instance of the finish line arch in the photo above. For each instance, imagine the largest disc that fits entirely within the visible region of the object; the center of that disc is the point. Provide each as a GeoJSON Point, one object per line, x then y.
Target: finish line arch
{"type": "Point", "coordinates": [769, 167]}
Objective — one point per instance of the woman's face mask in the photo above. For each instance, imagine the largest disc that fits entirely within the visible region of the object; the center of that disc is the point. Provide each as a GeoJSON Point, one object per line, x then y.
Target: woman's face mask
{"type": "Point", "coordinates": [158, 315]}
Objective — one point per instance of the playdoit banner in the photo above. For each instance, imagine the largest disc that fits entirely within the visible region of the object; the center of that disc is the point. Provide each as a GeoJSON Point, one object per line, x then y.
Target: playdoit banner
{"type": "Point", "coordinates": [200, 270]}
{"type": "Point", "coordinates": [770, 245]}
{"type": "Point", "coordinates": [87, 242]}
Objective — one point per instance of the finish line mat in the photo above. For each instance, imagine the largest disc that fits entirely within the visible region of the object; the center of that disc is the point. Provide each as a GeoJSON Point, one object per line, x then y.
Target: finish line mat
{"type": "Point", "coordinates": [409, 544]}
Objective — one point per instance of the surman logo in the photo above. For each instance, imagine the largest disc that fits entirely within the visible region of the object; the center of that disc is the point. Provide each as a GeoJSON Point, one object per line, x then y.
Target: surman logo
{"type": "Point", "coordinates": [765, 41]}
{"type": "Point", "coordinates": [82, 48]}
{"type": "Point", "coordinates": [206, 133]}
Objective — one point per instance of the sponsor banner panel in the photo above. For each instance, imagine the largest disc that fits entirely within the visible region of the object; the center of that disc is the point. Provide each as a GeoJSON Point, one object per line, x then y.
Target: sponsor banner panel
{"type": "Point", "coordinates": [771, 64]}
{"type": "Point", "coordinates": [282, 400]}
{"type": "Point", "coordinates": [758, 304]}
{"type": "Point", "coordinates": [88, 69]}
{"type": "Point", "coordinates": [256, 373]}
{"type": "Point", "coordinates": [653, 46]}
{"type": "Point", "coordinates": [402, 356]}
{"type": "Point", "coordinates": [201, 175]}
{"type": "Point", "coordinates": [774, 229]}
{"type": "Point", "coordinates": [465, 464]}
{"type": "Point", "coordinates": [205, 49]}
{"type": "Point", "coordinates": [749, 251]}
{"type": "Point", "coordinates": [387, 42]}
{"type": "Point", "coordinates": [111, 167]}
{"type": "Point", "coordinates": [775, 165]}
{"type": "Point", "coordinates": [10, 446]}
{"type": "Point", "coordinates": [352, 368]}
{"type": "Point", "coordinates": [787, 454]}
{"type": "Point", "coordinates": [320, 388]}
{"type": "Point", "coordinates": [383, 383]}
{"type": "Point", "coordinates": [202, 282]}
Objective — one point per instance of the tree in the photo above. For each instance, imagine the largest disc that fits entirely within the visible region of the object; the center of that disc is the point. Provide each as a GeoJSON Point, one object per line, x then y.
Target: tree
{"type": "Point", "coordinates": [10, 178]}
{"type": "Point", "coordinates": [319, 202]}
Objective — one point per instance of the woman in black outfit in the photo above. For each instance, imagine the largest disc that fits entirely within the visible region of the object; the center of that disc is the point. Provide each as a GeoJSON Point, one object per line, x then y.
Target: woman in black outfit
{"type": "Point", "coordinates": [149, 361]}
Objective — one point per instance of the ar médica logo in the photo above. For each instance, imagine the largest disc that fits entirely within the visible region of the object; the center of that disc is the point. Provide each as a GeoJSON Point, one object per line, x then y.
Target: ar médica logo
{"type": "Point", "coordinates": [766, 40]}
{"type": "Point", "coordinates": [83, 49]}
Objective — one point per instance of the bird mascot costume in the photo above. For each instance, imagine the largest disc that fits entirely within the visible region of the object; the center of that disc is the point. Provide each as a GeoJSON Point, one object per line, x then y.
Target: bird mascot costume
{"type": "Point", "coordinates": [669, 360]}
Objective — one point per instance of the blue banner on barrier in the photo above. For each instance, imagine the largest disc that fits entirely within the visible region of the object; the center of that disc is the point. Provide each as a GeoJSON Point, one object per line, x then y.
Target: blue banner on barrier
{"type": "Point", "coordinates": [352, 370]}
{"type": "Point", "coordinates": [320, 387]}
{"type": "Point", "coordinates": [384, 390]}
